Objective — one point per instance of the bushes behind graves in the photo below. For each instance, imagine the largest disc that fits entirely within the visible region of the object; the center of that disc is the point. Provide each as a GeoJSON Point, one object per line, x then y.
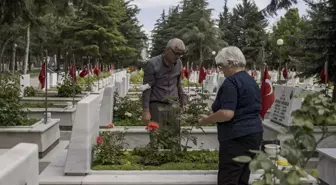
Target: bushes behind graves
{"type": "Point", "coordinates": [11, 113]}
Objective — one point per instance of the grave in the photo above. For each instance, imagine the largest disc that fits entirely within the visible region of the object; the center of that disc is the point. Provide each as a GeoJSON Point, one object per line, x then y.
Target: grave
{"type": "Point", "coordinates": [326, 165]}
{"type": "Point", "coordinates": [280, 116]}
{"type": "Point", "coordinates": [24, 82]}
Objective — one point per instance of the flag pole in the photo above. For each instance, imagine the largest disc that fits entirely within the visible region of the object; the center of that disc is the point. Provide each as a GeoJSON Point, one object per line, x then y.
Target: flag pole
{"type": "Point", "coordinates": [98, 74]}
{"type": "Point", "coordinates": [46, 88]}
{"type": "Point", "coordinates": [89, 69]}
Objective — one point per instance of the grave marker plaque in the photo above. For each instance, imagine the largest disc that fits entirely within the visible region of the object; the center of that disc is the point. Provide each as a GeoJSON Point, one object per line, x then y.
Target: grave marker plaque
{"type": "Point", "coordinates": [285, 103]}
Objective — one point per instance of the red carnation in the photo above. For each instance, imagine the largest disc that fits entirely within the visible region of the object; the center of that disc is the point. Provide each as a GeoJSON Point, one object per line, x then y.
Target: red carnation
{"type": "Point", "coordinates": [99, 140]}
{"type": "Point", "coordinates": [152, 126]}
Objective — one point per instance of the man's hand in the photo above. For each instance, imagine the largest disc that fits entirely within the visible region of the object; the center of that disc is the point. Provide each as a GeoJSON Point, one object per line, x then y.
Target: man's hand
{"type": "Point", "coordinates": [146, 116]}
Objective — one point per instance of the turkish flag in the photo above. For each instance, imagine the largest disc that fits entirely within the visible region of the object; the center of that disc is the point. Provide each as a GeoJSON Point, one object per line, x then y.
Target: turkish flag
{"type": "Point", "coordinates": [84, 72]}
{"type": "Point", "coordinates": [202, 74]}
{"type": "Point", "coordinates": [284, 73]}
{"type": "Point", "coordinates": [185, 73]}
{"type": "Point", "coordinates": [42, 76]}
{"type": "Point", "coordinates": [267, 94]}
{"type": "Point", "coordinates": [324, 73]}
{"type": "Point", "coordinates": [72, 72]}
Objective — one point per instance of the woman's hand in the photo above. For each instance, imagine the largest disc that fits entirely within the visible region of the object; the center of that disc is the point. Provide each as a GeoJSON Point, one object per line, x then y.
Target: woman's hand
{"type": "Point", "coordinates": [203, 120]}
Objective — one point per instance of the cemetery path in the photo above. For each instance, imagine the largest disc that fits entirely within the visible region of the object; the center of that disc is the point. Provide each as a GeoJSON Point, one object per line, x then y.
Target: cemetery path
{"type": "Point", "coordinates": [34, 82]}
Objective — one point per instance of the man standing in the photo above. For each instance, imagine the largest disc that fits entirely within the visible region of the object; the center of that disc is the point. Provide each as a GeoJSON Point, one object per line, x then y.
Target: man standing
{"type": "Point", "coordinates": [162, 80]}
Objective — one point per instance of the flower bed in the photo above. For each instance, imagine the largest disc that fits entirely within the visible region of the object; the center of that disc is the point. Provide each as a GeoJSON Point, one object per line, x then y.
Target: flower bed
{"type": "Point", "coordinates": [186, 83]}
{"type": "Point", "coordinates": [42, 105]}
{"type": "Point", "coordinates": [165, 151]}
{"type": "Point", "coordinates": [165, 160]}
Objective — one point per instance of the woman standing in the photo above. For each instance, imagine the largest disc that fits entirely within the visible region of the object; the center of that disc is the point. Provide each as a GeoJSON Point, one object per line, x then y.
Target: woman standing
{"type": "Point", "coordinates": [236, 112]}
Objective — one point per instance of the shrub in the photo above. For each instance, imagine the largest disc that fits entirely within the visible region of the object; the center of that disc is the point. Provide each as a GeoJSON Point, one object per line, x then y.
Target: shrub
{"type": "Point", "coordinates": [109, 148]}
{"type": "Point", "coordinates": [30, 91]}
{"type": "Point", "coordinates": [127, 109]}
{"type": "Point", "coordinates": [68, 88]}
{"type": "Point", "coordinates": [11, 113]}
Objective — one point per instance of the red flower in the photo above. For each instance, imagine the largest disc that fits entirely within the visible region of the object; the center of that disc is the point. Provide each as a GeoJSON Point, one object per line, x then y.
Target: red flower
{"type": "Point", "coordinates": [152, 126]}
{"type": "Point", "coordinates": [99, 140]}
{"type": "Point", "coordinates": [111, 125]}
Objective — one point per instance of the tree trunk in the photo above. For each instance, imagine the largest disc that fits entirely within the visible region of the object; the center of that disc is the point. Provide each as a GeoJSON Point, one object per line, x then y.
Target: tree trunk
{"type": "Point", "coordinates": [26, 58]}
{"type": "Point", "coordinates": [29, 62]}
{"type": "Point", "coordinates": [3, 48]}
{"type": "Point", "coordinates": [12, 66]}
{"type": "Point", "coordinates": [58, 60]}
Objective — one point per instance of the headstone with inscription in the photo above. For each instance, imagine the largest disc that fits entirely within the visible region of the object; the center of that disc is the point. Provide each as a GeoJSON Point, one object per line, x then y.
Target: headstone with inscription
{"type": "Point", "coordinates": [285, 103]}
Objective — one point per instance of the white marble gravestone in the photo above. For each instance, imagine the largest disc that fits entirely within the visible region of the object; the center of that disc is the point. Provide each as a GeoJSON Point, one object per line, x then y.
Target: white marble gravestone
{"type": "Point", "coordinates": [53, 79]}
{"type": "Point", "coordinates": [60, 78]}
{"type": "Point", "coordinates": [327, 165]}
{"type": "Point", "coordinates": [285, 103]}
{"type": "Point", "coordinates": [24, 82]}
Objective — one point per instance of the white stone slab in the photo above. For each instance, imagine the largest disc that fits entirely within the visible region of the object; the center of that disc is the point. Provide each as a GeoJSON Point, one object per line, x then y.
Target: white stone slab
{"type": "Point", "coordinates": [285, 103]}
{"type": "Point", "coordinates": [137, 136]}
{"type": "Point", "coordinates": [20, 165]}
{"type": "Point", "coordinates": [83, 136]}
{"type": "Point", "coordinates": [44, 135]}
{"type": "Point", "coordinates": [24, 82]}
{"type": "Point", "coordinates": [106, 112]}
{"type": "Point", "coordinates": [65, 115]}
{"type": "Point", "coordinates": [53, 79]}
{"type": "Point", "coordinates": [327, 165]}
{"type": "Point", "coordinates": [164, 177]}
{"type": "Point", "coordinates": [273, 131]}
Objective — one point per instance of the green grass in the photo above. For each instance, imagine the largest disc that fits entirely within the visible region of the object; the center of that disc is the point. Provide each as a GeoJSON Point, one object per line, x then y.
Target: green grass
{"type": "Point", "coordinates": [29, 122]}
{"type": "Point", "coordinates": [191, 84]}
{"type": "Point", "coordinates": [52, 89]}
{"type": "Point", "coordinates": [167, 166]}
{"type": "Point", "coordinates": [191, 160]}
{"type": "Point", "coordinates": [128, 123]}
{"type": "Point", "coordinates": [41, 105]}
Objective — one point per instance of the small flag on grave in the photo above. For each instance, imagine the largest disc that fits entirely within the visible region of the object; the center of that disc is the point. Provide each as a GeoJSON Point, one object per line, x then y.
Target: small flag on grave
{"type": "Point", "coordinates": [42, 76]}
{"type": "Point", "coordinates": [202, 74]}
{"type": "Point", "coordinates": [73, 71]}
{"type": "Point", "coordinates": [84, 72]}
{"type": "Point", "coordinates": [267, 93]}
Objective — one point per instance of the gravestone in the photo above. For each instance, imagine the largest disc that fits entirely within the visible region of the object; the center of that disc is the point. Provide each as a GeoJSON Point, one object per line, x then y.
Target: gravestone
{"type": "Point", "coordinates": [61, 77]}
{"type": "Point", "coordinates": [24, 82]}
{"type": "Point", "coordinates": [285, 103]}
{"type": "Point", "coordinates": [53, 79]}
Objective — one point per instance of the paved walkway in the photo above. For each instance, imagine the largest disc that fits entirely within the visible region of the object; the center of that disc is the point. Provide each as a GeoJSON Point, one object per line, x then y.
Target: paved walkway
{"type": "Point", "coordinates": [34, 82]}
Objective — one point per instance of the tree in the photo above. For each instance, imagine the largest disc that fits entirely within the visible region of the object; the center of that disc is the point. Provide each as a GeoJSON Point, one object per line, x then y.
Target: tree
{"type": "Point", "coordinates": [246, 30]}
{"type": "Point", "coordinates": [198, 31]}
{"type": "Point", "coordinates": [225, 24]}
{"type": "Point", "coordinates": [164, 30]}
{"type": "Point", "coordinates": [291, 28]}
{"type": "Point", "coordinates": [94, 31]}
{"type": "Point", "coordinates": [131, 30]}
